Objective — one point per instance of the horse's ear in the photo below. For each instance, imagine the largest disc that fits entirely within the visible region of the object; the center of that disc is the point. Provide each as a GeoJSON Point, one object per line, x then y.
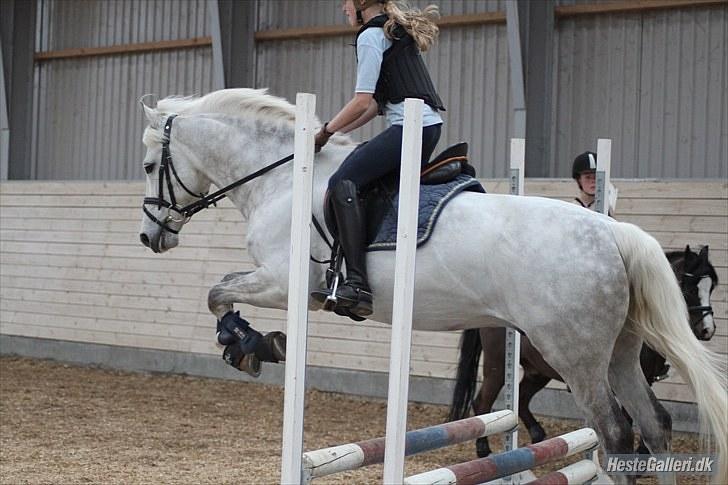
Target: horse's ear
{"type": "Point", "coordinates": [704, 252]}
{"type": "Point", "coordinates": [150, 112]}
{"type": "Point", "coordinates": [687, 250]}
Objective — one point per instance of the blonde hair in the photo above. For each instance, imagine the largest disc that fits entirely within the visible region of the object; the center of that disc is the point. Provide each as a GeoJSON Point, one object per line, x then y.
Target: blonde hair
{"type": "Point", "coordinates": [420, 24]}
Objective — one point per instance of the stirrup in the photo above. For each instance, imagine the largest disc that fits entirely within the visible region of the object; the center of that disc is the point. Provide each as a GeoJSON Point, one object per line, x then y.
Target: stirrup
{"type": "Point", "coordinates": [327, 296]}
{"type": "Point", "coordinates": [332, 301]}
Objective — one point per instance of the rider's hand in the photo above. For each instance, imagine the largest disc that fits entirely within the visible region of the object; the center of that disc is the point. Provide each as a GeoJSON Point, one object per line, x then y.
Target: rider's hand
{"type": "Point", "coordinates": [321, 138]}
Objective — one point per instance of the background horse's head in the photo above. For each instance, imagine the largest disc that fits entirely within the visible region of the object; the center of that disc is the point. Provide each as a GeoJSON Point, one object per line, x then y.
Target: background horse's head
{"type": "Point", "coordinates": [698, 279]}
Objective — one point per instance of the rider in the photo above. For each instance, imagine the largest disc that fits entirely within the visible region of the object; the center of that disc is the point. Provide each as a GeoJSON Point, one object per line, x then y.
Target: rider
{"type": "Point", "coordinates": [584, 171]}
{"type": "Point", "coordinates": [389, 69]}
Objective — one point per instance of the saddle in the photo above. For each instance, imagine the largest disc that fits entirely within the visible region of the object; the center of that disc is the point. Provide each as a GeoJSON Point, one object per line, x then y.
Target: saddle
{"type": "Point", "coordinates": [379, 196]}
{"type": "Point", "coordinates": [450, 163]}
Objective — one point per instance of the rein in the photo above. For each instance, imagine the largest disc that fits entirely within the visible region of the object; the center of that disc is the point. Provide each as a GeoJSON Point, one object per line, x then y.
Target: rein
{"type": "Point", "coordinates": [204, 200]}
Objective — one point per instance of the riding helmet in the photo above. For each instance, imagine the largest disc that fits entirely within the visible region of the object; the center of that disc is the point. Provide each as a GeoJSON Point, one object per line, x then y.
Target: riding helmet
{"type": "Point", "coordinates": [586, 162]}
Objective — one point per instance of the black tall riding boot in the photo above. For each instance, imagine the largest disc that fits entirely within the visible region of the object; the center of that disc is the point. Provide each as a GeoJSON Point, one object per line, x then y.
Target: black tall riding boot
{"type": "Point", "coordinates": [355, 293]}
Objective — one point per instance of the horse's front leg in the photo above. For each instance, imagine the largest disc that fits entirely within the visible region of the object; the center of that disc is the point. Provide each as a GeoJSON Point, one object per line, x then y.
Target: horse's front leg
{"type": "Point", "coordinates": [259, 288]}
{"type": "Point", "coordinates": [245, 347]}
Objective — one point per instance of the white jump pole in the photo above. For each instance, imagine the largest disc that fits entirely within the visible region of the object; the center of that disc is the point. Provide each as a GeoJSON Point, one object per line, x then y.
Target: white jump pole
{"type": "Point", "coordinates": [513, 338]}
{"type": "Point", "coordinates": [604, 162]}
{"type": "Point", "coordinates": [298, 275]}
{"type": "Point", "coordinates": [404, 282]}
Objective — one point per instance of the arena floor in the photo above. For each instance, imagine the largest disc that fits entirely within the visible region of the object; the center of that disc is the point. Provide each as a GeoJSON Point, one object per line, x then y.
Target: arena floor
{"type": "Point", "coordinates": [62, 424]}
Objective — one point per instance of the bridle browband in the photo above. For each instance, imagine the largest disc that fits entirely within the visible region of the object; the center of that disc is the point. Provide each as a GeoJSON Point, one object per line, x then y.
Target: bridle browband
{"type": "Point", "coordinates": [166, 170]}
{"type": "Point", "coordinates": [204, 200]}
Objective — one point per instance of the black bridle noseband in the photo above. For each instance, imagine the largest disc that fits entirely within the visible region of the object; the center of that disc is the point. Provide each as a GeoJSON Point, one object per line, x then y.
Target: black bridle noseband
{"type": "Point", "coordinates": [166, 170]}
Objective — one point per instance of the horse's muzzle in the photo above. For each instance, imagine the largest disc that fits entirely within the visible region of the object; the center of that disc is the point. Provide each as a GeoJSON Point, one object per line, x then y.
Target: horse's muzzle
{"type": "Point", "coordinates": [144, 239]}
{"type": "Point", "coordinates": [154, 243]}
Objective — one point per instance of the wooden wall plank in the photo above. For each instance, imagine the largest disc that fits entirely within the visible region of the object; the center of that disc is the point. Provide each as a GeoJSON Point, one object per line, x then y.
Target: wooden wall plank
{"type": "Point", "coordinates": [71, 268]}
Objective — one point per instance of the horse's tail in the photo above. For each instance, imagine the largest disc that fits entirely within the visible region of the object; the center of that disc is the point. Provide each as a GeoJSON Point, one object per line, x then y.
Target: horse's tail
{"type": "Point", "coordinates": [467, 375]}
{"type": "Point", "coordinates": [658, 312]}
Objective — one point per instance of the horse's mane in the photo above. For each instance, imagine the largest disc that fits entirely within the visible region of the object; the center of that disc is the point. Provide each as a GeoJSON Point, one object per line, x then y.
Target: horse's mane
{"type": "Point", "coordinates": [239, 102]}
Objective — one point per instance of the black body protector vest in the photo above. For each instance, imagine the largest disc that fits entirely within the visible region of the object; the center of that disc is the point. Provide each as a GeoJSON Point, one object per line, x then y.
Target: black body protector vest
{"type": "Point", "coordinates": [403, 73]}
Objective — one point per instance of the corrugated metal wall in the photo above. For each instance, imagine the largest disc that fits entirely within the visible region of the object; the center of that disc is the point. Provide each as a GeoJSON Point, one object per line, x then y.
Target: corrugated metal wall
{"type": "Point", "coordinates": [469, 66]}
{"type": "Point", "coordinates": [89, 123]}
{"type": "Point", "coordinates": [654, 82]}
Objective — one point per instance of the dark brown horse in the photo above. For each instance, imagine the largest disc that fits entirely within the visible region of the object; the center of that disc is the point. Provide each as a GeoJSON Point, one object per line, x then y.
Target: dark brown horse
{"type": "Point", "coordinates": [697, 279]}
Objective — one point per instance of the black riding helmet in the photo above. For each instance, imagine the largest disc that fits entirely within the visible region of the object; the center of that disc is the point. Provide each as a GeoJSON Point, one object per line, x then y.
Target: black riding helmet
{"type": "Point", "coordinates": [586, 162]}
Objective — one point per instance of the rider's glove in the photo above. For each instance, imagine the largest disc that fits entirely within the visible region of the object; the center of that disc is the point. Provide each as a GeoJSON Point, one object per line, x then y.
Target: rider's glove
{"type": "Point", "coordinates": [322, 137]}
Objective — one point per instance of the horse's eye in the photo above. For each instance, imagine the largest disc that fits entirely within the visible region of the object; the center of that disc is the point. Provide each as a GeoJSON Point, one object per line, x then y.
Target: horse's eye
{"type": "Point", "coordinates": [149, 168]}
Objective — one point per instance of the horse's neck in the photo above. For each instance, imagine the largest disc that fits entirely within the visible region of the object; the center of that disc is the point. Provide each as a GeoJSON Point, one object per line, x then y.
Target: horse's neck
{"type": "Point", "coordinates": [278, 189]}
{"type": "Point", "coordinates": [257, 149]}
{"type": "Point", "coordinates": [249, 151]}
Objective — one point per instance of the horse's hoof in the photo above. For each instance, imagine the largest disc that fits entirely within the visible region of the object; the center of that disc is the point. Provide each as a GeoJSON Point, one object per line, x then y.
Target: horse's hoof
{"type": "Point", "coordinates": [482, 448]}
{"type": "Point", "coordinates": [642, 449]}
{"type": "Point", "coordinates": [537, 434]}
{"type": "Point", "coordinates": [251, 365]}
{"type": "Point", "coordinates": [277, 343]}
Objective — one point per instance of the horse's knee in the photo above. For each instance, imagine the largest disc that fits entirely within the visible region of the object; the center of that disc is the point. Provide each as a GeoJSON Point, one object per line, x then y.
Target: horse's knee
{"type": "Point", "coordinates": [216, 301]}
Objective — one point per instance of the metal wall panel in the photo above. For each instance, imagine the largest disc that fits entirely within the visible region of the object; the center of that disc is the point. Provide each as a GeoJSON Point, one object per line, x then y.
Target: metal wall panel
{"type": "Point", "coordinates": [469, 66]}
{"type": "Point", "coordinates": [94, 23]}
{"type": "Point", "coordinates": [654, 82]}
{"type": "Point", "coordinates": [597, 72]}
{"type": "Point", "coordinates": [89, 122]}
{"type": "Point", "coordinates": [683, 105]}
{"type": "Point", "coordinates": [288, 14]}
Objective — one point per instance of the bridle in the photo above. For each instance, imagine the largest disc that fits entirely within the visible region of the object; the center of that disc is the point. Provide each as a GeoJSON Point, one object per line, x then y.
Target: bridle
{"type": "Point", "coordinates": [167, 170]}
{"type": "Point", "coordinates": [702, 310]}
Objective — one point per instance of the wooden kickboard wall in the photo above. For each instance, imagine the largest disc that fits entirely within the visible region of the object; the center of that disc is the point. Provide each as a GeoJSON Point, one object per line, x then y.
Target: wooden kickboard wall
{"type": "Point", "coordinates": [72, 268]}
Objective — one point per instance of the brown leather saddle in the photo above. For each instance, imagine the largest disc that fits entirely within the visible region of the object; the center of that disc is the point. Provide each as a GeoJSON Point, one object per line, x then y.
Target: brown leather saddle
{"type": "Point", "coordinates": [450, 163]}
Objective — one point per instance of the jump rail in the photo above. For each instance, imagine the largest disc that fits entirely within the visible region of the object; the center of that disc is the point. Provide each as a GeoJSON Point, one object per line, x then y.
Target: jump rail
{"type": "Point", "coordinates": [510, 462]}
{"type": "Point", "coordinates": [577, 473]}
{"type": "Point", "coordinates": [351, 456]}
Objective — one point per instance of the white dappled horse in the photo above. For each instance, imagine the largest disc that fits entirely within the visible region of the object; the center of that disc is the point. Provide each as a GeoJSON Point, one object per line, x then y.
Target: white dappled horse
{"type": "Point", "coordinates": [585, 289]}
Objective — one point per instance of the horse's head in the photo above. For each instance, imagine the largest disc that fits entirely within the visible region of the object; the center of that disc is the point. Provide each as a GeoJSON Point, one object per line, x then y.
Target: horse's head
{"type": "Point", "coordinates": [174, 181]}
{"type": "Point", "coordinates": [698, 279]}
